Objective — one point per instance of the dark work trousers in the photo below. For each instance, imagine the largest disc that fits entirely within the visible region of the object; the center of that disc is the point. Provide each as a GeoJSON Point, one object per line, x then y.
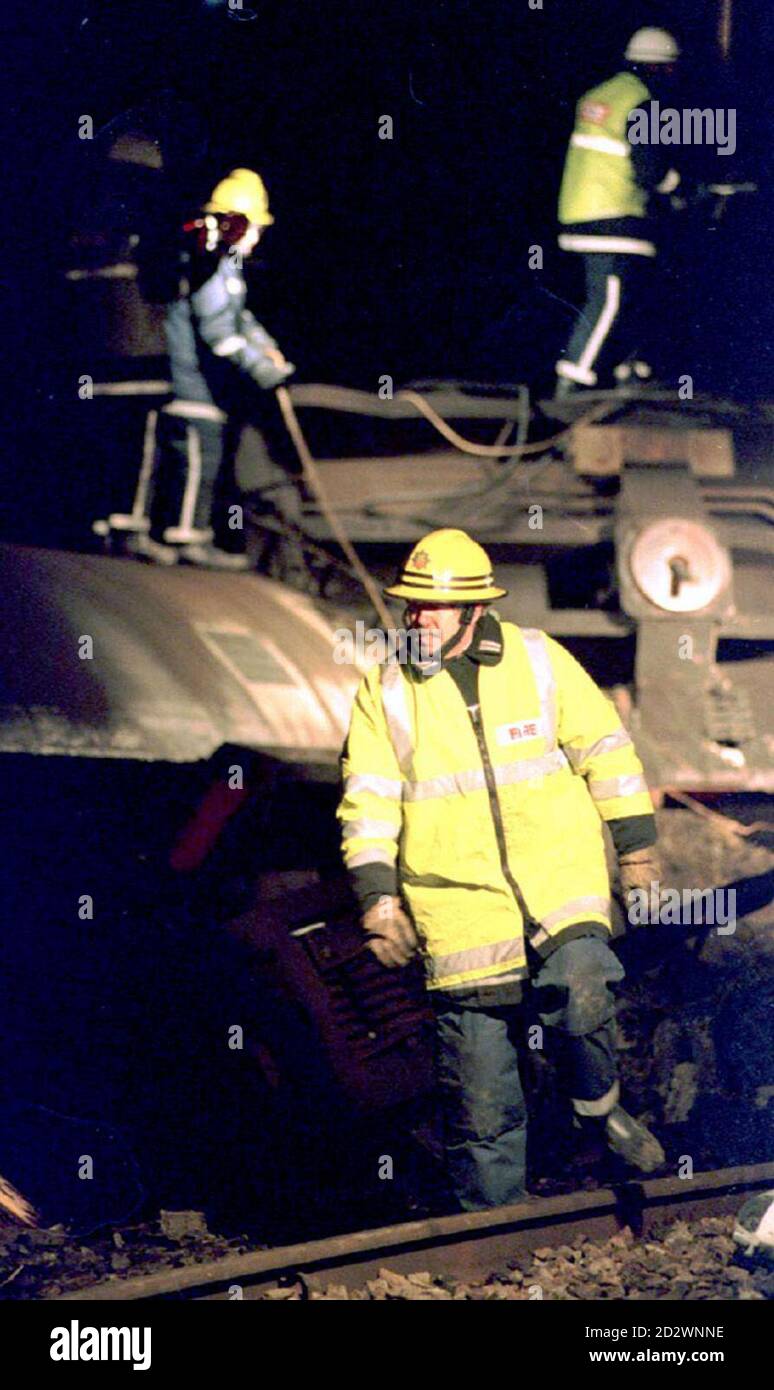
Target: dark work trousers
{"type": "Point", "coordinates": [612, 327]}
{"type": "Point", "coordinates": [269, 474]}
{"type": "Point", "coordinates": [190, 456]}
{"type": "Point", "coordinates": [483, 1106]}
{"type": "Point", "coordinates": [194, 483]}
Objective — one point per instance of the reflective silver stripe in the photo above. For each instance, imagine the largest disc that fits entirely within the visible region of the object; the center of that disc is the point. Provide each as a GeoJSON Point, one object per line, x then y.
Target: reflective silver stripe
{"type": "Point", "coordinates": [608, 744]}
{"type": "Point", "coordinates": [367, 829]}
{"type": "Point", "coordinates": [669, 183]}
{"type": "Point", "coordinates": [604, 143]}
{"type": "Point", "coordinates": [618, 786]}
{"type": "Point", "coordinates": [571, 909]}
{"type": "Point", "coordinates": [545, 681]}
{"type": "Point", "coordinates": [193, 478]}
{"type": "Point", "coordinates": [187, 535]}
{"type": "Point", "coordinates": [194, 410]}
{"type": "Point", "coordinates": [477, 956]}
{"type": "Point", "coordinates": [396, 713]}
{"type": "Point", "coordinates": [603, 324]}
{"type": "Point", "coordinates": [602, 1106]}
{"type": "Point", "coordinates": [370, 856]}
{"type": "Point", "coordinates": [371, 782]}
{"type": "Point", "coordinates": [226, 346]}
{"type": "Point", "coordinates": [489, 981]}
{"type": "Point", "coordinates": [573, 372]}
{"type": "Point", "coordinates": [561, 915]}
{"type": "Point", "coordinates": [473, 779]}
{"type": "Point", "coordinates": [527, 768]}
{"type": "Point", "coordinates": [148, 465]}
{"type": "Point", "coordinates": [587, 241]}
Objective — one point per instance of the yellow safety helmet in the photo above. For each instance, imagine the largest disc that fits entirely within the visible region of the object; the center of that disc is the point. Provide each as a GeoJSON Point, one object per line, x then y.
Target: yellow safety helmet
{"type": "Point", "coordinates": [242, 191]}
{"type": "Point", "coordinates": [447, 566]}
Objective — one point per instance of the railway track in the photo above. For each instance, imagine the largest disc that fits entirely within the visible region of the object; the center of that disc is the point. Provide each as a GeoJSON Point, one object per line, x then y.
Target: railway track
{"type": "Point", "coordinates": [469, 1245]}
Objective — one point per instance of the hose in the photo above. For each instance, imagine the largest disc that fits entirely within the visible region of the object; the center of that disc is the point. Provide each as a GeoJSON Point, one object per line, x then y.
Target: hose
{"type": "Point", "coordinates": [467, 446]}
{"type": "Point", "coordinates": [514, 452]}
{"type": "Point", "coordinates": [317, 488]}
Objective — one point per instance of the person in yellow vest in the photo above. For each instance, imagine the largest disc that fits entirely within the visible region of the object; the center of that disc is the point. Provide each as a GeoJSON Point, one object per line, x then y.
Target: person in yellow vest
{"type": "Point", "coordinates": [605, 201]}
{"type": "Point", "coordinates": [478, 771]}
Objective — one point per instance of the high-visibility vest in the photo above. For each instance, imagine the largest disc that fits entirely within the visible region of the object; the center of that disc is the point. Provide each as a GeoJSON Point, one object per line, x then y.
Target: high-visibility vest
{"type": "Point", "coordinates": [598, 180]}
{"type": "Point", "coordinates": [495, 821]}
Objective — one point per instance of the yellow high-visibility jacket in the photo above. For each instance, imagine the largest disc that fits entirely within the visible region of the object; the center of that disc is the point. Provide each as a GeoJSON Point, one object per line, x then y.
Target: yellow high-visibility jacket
{"type": "Point", "coordinates": [492, 818]}
{"type": "Point", "coordinates": [599, 179]}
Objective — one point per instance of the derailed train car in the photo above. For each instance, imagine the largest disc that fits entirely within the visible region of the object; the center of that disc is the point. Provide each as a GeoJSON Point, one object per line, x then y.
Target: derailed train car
{"type": "Point", "coordinates": [170, 746]}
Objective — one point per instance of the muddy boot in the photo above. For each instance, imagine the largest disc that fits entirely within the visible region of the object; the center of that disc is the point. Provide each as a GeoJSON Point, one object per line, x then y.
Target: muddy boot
{"type": "Point", "coordinates": [144, 547]}
{"type": "Point", "coordinates": [565, 388]}
{"type": "Point", "coordinates": [632, 1142]}
{"type": "Point", "coordinates": [211, 557]}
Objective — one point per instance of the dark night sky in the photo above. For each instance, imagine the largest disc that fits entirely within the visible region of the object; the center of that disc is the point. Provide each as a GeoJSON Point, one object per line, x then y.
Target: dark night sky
{"type": "Point", "coordinates": [406, 256]}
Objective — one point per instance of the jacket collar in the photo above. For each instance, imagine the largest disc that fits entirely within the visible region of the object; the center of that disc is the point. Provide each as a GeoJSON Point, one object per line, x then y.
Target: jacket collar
{"type": "Point", "coordinates": [486, 648]}
{"type": "Point", "coordinates": [487, 645]}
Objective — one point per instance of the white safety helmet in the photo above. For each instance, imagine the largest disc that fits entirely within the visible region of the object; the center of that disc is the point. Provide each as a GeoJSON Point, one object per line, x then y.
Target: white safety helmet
{"type": "Point", "coordinates": [652, 46]}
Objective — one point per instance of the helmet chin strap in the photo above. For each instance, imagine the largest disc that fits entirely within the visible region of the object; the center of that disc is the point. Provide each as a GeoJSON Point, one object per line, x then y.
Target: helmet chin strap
{"type": "Point", "coordinates": [430, 664]}
{"type": "Point", "coordinates": [466, 618]}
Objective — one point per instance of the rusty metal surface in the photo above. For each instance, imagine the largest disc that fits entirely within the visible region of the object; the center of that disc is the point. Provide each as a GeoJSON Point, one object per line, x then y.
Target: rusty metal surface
{"type": "Point", "coordinates": [373, 1025]}
{"type": "Point", "coordinates": [448, 398]}
{"type": "Point", "coordinates": [470, 1244]}
{"type": "Point", "coordinates": [182, 662]}
{"type": "Point", "coordinates": [699, 723]}
{"type": "Point", "coordinates": [602, 450]}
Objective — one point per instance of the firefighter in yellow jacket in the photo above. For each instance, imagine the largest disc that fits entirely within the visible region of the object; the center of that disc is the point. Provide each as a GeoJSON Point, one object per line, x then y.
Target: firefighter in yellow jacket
{"type": "Point", "coordinates": [479, 766]}
{"type": "Point", "coordinates": [611, 188]}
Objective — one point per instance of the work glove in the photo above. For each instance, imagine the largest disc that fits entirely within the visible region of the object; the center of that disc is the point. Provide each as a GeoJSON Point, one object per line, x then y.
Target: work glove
{"type": "Point", "coordinates": [393, 939]}
{"type": "Point", "coordinates": [272, 369]}
{"type": "Point", "coordinates": [638, 870]}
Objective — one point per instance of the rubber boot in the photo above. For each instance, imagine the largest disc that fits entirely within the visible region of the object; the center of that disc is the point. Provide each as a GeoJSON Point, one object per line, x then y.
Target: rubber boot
{"type": "Point", "coordinates": [565, 387]}
{"type": "Point", "coordinates": [632, 1141]}
{"type": "Point", "coordinates": [144, 547]}
{"type": "Point", "coordinates": [211, 557]}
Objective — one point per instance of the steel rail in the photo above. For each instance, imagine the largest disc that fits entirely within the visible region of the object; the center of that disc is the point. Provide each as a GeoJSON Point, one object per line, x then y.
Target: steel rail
{"type": "Point", "coordinates": [468, 1245]}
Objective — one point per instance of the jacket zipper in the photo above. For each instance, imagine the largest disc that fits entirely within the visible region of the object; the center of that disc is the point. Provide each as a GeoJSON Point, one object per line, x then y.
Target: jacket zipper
{"type": "Point", "coordinates": [494, 805]}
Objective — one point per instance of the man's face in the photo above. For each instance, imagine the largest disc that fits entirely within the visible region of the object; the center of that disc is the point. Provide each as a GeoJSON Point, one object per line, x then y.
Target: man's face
{"type": "Point", "coordinates": [438, 621]}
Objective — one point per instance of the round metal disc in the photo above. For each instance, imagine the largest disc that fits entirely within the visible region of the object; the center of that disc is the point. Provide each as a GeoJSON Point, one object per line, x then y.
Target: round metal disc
{"type": "Point", "coordinates": [678, 565]}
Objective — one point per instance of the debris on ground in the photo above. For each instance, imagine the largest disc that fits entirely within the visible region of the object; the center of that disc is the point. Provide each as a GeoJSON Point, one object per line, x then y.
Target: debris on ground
{"type": "Point", "coordinates": [44, 1263]}
{"type": "Point", "coordinates": [693, 1261]}
{"type": "Point", "coordinates": [179, 1225]}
